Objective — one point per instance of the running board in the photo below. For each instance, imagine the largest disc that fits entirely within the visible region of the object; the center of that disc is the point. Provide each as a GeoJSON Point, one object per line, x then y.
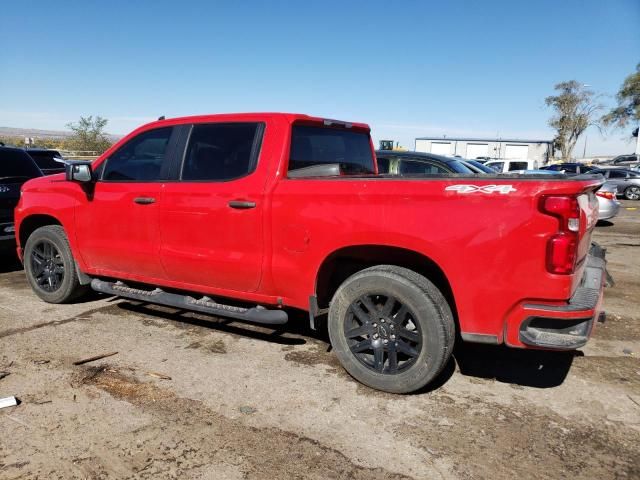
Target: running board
{"type": "Point", "coordinates": [205, 304]}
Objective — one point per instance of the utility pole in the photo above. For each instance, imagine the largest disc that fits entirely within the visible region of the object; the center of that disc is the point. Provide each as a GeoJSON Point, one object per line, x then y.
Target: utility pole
{"type": "Point", "coordinates": [584, 151]}
{"type": "Point", "coordinates": [636, 133]}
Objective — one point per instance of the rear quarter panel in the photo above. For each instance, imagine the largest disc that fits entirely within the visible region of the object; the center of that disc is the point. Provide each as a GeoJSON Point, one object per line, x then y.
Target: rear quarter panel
{"type": "Point", "coordinates": [491, 246]}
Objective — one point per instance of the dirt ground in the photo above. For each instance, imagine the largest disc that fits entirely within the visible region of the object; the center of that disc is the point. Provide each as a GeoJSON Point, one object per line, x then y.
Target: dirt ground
{"type": "Point", "coordinates": [192, 396]}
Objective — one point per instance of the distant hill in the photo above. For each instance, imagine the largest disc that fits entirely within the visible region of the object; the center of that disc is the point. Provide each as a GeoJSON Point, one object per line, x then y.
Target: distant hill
{"type": "Point", "coordinates": [48, 134]}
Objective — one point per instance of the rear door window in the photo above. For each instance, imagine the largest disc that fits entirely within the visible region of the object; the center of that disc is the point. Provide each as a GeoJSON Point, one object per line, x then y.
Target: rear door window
{"type": "Point", "coordinates": [222, 151]}
{"type": "Point", "coordinates": [140, 159]}
{"type": "Point", "coordinates": [311, 146]}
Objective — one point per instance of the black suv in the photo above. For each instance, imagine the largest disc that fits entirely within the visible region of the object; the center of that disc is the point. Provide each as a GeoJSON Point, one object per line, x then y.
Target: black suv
{"type": "Point", "coordinates": [44, 159]}
{"type": "Point", "coordinates": [16, 167]}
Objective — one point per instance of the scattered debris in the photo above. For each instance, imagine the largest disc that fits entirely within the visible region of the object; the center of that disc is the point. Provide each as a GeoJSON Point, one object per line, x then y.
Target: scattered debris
{"type": "Point", "coordinates": [4, 374]}
{"type": "Point", "coordinates": [8, 402]}
{"type": "Point", "coordinates": [158, 375]}
{"type": "Point", "coordinates": [93, 359]}
{"type": "Point", "coordinates": [41, 361]}
{"type": "Point", "coordinates": [247, 410]}
{"type": "Point", "coordinates": [42, 402]}
{"type": "Point", "coordinates": [633, 400]}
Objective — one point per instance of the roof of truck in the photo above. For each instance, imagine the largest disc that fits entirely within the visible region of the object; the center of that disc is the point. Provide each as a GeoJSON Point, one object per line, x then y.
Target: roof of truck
{"type": "Point", "coordinates": [289, 117]}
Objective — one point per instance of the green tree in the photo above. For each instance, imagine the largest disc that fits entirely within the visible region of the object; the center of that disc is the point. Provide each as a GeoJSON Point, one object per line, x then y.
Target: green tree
{"type": "Point", "coordinates": [575, 109]}
{"type": "Point", "coordinates": [628, 108]}
{"type": "Point", "coordinates": [89, 134]}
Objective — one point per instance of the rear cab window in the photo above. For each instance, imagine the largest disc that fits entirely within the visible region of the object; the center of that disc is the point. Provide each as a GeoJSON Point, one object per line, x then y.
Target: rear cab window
{"type": "Point", "coordinates": [316, 145]}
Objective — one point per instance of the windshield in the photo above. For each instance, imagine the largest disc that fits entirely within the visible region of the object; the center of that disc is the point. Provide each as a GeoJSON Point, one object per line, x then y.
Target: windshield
{"type": "Point", "coordinates": [481, 166]}
{"type": "Point", "coordinates": [17, 164]}
{"type": "Point", "coordinates": [44, 159]}
{"type": "Point", "coordinates": [320, 145]}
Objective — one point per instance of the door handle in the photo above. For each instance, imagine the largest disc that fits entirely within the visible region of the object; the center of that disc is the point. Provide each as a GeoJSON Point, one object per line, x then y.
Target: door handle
{"type": "Point", "coordinates": [242, 204]}
{"type": "Point", "coordinates": [144, 200]}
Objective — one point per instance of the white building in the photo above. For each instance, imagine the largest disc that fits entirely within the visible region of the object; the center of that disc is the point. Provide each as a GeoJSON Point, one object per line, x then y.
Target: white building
{"type": "Point", "coordinates": [471, 148]}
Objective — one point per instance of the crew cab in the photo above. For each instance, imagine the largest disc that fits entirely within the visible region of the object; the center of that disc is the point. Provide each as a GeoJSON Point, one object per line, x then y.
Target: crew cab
{"type": "Point", "coordinates": [252, 215]}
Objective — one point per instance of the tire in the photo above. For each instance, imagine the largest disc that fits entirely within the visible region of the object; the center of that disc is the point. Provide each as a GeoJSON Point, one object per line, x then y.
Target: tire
{"type": "Point", "coordinates": [632, 193]}
{"type": "Point", "coordinates": [419, 315]}
{"type": "Point", "coordinates": [50, 267]}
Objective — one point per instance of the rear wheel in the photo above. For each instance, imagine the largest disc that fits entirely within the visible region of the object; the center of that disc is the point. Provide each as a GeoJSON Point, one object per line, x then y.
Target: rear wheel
{"type": "Point", "coordinates": [632, 193]}
{"type": "Point", "coordinates": [391, 328]}
{"type": "Point", "coordinates": [50, 267]}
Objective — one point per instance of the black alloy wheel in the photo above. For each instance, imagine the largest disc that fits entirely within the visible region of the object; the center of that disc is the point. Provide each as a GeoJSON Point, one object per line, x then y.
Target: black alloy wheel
{"type": "Point", "coordinates": [47, 266]}
{"type": "Point", "coordinates": [382, 334]}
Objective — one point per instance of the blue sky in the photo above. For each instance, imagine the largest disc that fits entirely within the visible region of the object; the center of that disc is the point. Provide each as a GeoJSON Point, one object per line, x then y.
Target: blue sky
{"type": "Point", "coordinates": [409, 68]}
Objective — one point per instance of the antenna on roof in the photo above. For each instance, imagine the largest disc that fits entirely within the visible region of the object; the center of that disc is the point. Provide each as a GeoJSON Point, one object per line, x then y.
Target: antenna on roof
{"type": "Point", "coordinates": [161, 117]}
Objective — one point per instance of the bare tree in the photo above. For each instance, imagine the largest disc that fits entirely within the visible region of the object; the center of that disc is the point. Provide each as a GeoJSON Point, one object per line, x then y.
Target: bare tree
{"type": "Point", "coordinates": [575, 110]}
{"type": "Point", "coordinates": [89, 134]}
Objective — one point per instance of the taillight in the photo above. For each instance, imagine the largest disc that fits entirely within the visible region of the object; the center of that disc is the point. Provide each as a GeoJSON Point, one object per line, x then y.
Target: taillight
{"type": "Point", "coordinates": [607, 195]}
{"type": "Point", "coordinates": [563, 246]}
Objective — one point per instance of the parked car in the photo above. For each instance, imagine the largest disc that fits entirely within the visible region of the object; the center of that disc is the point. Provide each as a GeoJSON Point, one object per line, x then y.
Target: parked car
{"type": "Point", "coordinates": [627, 181]}
{"type": "Point", "coordinates": [625, 160]}
{"type": "Point", "coordinates": [577, 168]}
{"type": "Point", "coordinates": [504, 166]}
{"type": "Point", "coordinates": [285, 210]}
{"type": "Point", "coordinates": [608, 205]}
{"type": "Point", "coordinates": [478, 167]}
{"type": "Point", "coordinates": [45, 159]}
{"type": "Point", "coordinates": [417, 163]}
{"type": "Point", "coordinates": [16, 167]}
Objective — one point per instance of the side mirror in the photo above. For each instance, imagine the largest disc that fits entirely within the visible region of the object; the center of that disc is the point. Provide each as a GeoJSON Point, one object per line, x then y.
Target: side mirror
{"type": "Point", "coordinates": [79, 172]}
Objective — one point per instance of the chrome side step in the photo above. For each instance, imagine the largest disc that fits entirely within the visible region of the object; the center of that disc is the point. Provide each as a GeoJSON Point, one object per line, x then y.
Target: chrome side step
{"type": "Point", "coordinates": [205, 304]}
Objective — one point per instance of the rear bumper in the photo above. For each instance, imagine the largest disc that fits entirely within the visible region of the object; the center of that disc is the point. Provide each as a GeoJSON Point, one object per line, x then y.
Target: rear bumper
{"type": "Point", "coordinates": [565, 326]}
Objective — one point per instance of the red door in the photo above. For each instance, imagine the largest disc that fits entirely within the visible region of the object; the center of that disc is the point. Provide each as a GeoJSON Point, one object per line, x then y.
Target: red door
{"type": "Point", "coordinates": [212, 220]}
{"type": "Point", "coordinates": [117, 227]}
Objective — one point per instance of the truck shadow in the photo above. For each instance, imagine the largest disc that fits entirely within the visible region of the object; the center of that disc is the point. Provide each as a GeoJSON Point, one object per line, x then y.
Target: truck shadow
{"type": "Point", "coordinates": [290, 334]}
{"type": "Point", "coordinates": [527, 368]}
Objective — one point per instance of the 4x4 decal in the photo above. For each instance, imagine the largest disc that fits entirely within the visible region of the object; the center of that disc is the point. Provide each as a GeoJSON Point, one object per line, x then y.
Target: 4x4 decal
{"type": "Point", "coordinates": [503, 189]}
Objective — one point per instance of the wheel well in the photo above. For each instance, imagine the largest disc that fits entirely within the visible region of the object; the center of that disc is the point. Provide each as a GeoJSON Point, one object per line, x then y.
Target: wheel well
{"type": "Point", "coordinates": [345, 262]}
{"type": "Point", "coordinates": [32, 223]}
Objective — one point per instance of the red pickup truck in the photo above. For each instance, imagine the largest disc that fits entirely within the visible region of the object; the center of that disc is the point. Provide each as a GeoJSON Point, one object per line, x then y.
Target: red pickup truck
{"type": "Point", "coordinates": [248, 215]}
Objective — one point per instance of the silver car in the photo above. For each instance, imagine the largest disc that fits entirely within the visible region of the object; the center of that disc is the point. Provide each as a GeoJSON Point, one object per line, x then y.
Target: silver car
{"type": "Point", "coordinates": [627, 181]}
{"type": "Point", "coordinates": [608, 205]}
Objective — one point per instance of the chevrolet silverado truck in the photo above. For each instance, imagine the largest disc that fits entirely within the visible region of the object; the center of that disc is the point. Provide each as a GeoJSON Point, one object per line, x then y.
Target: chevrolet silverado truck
{"type": "Point", "coordinates": [250, 216]}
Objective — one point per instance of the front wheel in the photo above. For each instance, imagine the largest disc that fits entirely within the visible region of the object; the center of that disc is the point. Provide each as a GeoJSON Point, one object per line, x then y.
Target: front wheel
{"type": "Point", "coordinates": [50, 267]}
{"type": "Point", "coordinates": [632, 193]}
{"type": "Point", "coordinates": [391, 328]}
